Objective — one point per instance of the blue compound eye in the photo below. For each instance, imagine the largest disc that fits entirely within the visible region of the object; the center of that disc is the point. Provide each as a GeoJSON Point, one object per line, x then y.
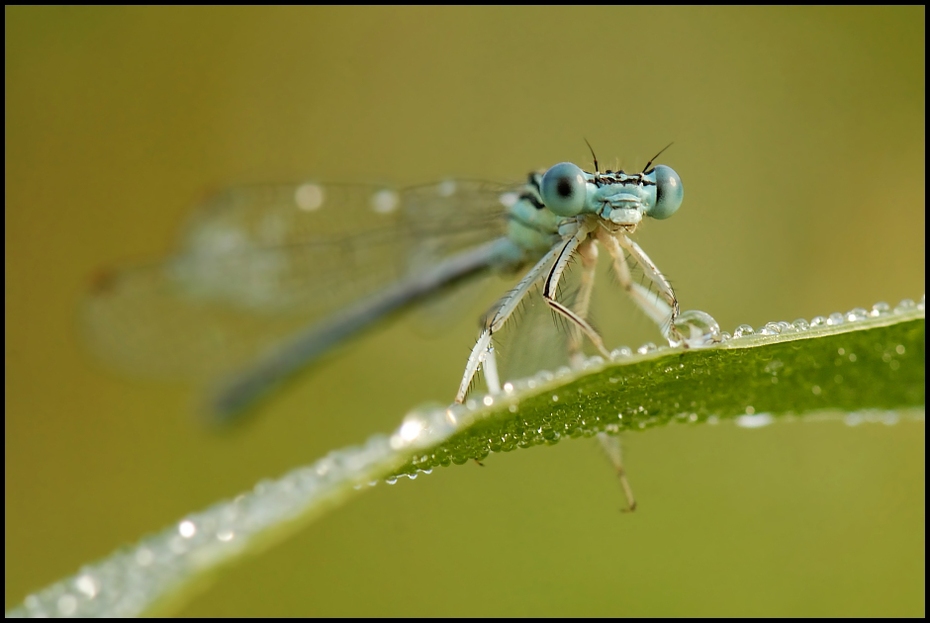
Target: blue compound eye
{"type": "Point", "coordinates": [669, 193]}
{"type": "Point", "coordinates": [563, 189]}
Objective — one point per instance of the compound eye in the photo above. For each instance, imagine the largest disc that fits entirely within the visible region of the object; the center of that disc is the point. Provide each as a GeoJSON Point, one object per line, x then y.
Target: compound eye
{"type": "Point", "coordinates": [563, 189]}
{"type": "Point", "coordinates": [669, 193]}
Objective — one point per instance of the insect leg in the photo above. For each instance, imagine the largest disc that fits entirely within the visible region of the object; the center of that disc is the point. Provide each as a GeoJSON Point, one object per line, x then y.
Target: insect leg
{"type": "Point", "coordinates": [588, 253]}
{"type": "Point", "coordinates": [664, 310]}
{"type": "Point", "coordinates": [552, 283]}
{"type": "Point", "coordinates": [611, 447]}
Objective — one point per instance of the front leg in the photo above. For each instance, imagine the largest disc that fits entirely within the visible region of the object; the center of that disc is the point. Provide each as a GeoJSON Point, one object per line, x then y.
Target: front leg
{"type": "Point", "coordinates": [664, 309]}
{"type": "Point", "coordinates": [552, 284]}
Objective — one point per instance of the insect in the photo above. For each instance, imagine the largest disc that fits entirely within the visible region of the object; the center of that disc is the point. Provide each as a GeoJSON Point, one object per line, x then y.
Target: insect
{"type": "Point", "coordinates": [270, 277]}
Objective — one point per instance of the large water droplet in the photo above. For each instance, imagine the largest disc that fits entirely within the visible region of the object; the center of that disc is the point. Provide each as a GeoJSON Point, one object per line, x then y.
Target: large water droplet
{"type": "Point", "coordinates": [697, 329]}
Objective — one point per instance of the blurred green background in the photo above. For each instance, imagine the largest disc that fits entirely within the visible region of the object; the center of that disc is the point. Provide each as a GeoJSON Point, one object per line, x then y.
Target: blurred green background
{"type": "Point", "coordinates": [799, 136]}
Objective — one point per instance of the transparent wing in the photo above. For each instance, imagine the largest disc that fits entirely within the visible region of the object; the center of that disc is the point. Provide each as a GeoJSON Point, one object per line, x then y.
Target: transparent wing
{"type": "Point", "coordinates": [537, 338]}
{"type": "Point", "coordinates": [257, 263]}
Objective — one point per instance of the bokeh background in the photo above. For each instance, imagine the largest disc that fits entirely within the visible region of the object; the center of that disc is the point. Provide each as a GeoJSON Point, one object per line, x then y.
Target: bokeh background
{"type": "Point", "coordinates": [799, 135]}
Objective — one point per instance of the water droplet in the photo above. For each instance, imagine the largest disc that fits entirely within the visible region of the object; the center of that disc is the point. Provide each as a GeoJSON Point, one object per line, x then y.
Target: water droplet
{"type": "Point", "coordinates": [621, 353]}
{"type": "Point", "coordinates": [754, 421]}
{"type": "Point", "coordinates": [801, 325]}
{"type": "Point", "coordinates": [696, 329]}
{"type": "Point", "coordinates": [187, 529]}
{"type": "Point", "coordinates": [648, 347]}
{"type": "Point", "coordinates": [899, 349]}
{"type": "Point", "coordinates": [857, 314]}
{"type": "Point", "coordinates": [487, 401]}
{"type": "Point", "coordinates": [743, 330]}
{"type": "Point", "coordinates": [555, 398]}
{"type": "Point", "coordinates": [905, 306]}
{"type": "Point", "coordinates": [33, 603]}
{"type": "Point", "coordinates": [818, 321]}
{"type": "Point", "coordinates": [454, 414]}
{"type": "Point", "coordinates": [888, 418]}
{"type": "Point", "coordinates": [87, 584]}
{"type": "Point", "coordinates": [880, 309]}
{"type": "Point", "coordinates": [835, 318]}
{"type": "Point", "coordinates": [67, 604]}
{"type": "Point", "coordinates": [770, 328]}
{"type": "Point", "coordinates": [852, 357]}
{"type": "Point", "coordinates": [411, 428]}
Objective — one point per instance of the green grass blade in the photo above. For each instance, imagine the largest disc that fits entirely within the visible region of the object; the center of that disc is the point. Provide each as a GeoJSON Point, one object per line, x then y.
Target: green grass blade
{"type": "Point", "coordinates": [873, 363]}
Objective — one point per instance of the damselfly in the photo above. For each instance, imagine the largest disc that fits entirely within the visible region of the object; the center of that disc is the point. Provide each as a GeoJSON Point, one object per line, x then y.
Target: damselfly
{"type": "Point", "coordinates": [270, 277]}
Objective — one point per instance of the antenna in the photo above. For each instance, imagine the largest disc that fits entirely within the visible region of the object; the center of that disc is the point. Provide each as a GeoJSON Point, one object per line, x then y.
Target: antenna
{"type": "Point", "coordinates": [651, 160]}
{"type": "Point", "coordinates": [596, 168]}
